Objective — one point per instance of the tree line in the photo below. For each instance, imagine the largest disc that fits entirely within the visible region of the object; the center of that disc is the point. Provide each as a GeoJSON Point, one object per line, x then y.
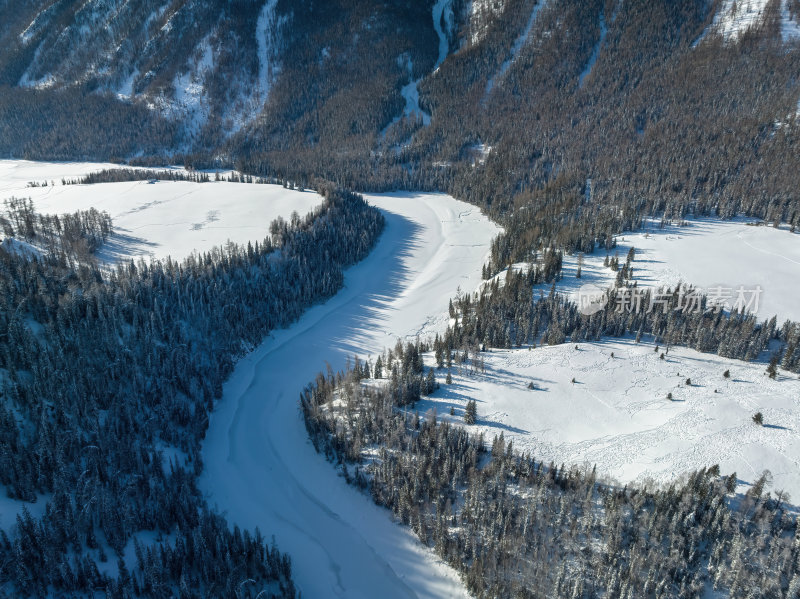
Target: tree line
{"type": "Point", "coordinates": [514, 526]}
{"type": "Point", "coordinates": [104, 373]}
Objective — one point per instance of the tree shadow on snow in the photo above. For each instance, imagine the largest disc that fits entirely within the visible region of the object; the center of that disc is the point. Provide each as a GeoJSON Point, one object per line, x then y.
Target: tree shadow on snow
{"type": "Point", "coordinates": [121, 246]}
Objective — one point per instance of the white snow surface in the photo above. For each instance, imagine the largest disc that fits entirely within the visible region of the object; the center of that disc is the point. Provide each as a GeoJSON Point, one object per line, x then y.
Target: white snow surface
{"type": "Point", "coordinates": [790, 24]}
{"type": "Point", "coordinates": [410, 94]}
{"type": "Point", "coordinates": [260, 467]}
{"type": "Point", "coordinates": [10, 508]}
{"type": "Point", "coordinates": [19, 247]}
{"type": "Point", "coordinates": [617, 415]}
{"type": "Point", "coordinates": [443, 10]}
{"type": "Point", "coordinates": [708, 253]}
{"type": "Point", "coordinates": [16, 174]}
{"type": "Point", "coordinates": [167, 218]}
{"type": "Point", "coordinates": [266, 37]}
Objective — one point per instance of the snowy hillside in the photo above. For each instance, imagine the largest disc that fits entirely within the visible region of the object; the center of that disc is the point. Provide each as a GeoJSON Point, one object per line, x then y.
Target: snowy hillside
{"type": "Point", "coordinates": [174, 58]}
{"type": "Point", "coordinates": [734, 18]}
{"type": "Point", "coordinates": [617, 415]}
{"type": "Point", "coordinates": [167, 218]}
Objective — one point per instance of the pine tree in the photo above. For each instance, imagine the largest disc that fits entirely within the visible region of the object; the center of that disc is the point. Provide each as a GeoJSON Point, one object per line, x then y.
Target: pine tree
{"type": "Point", "coordinates": [471, 412]}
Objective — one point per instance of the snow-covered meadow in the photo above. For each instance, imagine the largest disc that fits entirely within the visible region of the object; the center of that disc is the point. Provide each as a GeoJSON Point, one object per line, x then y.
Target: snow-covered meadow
{"type": "Point", "coordinates": [707, 253]}
{"type": "Point", "coordinates": [166, 218]}
{"type": "Point", "coordinates": [617, 414]}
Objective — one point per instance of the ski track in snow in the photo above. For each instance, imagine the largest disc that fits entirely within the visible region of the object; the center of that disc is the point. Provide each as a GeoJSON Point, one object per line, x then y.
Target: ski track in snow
{"type": "Point", "coordinates": [260, 467]}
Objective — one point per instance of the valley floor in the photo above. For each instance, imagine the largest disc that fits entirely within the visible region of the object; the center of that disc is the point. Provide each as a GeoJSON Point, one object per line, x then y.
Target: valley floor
{"type": "Point", "coordinates": [260, 467]}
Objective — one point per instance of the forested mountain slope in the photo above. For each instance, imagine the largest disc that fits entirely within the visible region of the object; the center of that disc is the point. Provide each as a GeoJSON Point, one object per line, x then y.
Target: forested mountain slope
{"type": "Point", "coordinates": [679, 99]}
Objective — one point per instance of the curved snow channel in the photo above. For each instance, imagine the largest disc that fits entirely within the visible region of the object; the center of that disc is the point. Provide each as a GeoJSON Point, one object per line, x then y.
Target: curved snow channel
{"type": "Point", "coordinates": [260, 467]}
{"type": "Point", "coordinates": [442, 8]}
{"type": "Point", "coordinates": [595, 52]}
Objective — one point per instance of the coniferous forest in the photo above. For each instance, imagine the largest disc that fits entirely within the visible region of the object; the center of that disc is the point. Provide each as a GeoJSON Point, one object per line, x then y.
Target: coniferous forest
{"type": "Point", "coordinates": [565, 122]}
{"type": "Point", "coordinates": [516, 527]}
{"type": "Point", "coordinates": [106, 371]}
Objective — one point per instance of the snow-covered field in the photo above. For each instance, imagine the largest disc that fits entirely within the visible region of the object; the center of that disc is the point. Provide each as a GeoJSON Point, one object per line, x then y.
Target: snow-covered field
{"type": "Point", "coordinates": [259, 465]}
{"type": "Point", "coordinates": [617, 415]}
{"type": "Point", "coordinates": [159, 219]}
{"type": "Point", "coordinates": [709, 254]}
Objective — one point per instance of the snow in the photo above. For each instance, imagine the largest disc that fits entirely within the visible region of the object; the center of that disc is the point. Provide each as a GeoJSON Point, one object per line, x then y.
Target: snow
{"type": "Point", "coordinates": [125, 90]}
{"type": "Point", "coordinates": [38, 24]}
{"type": "Point", "coordinates": [172, 456]}
{"type": "Point", "coordinates": [10, 508]}
{"type": "Point", "coordinates": [157, 220]}
{"type": "Point", "coordinates": [19, 247]}
{"type": "Point", "coordinates": [595, 52]}
{"type": "Point", "coordinates": [16, 174]}
{"type": "Point", "coordinates": [480, 13]}
{"type": "Point", "coordinates": [260, 467]}
{"type": "Point", "coordinates": [790, 27]}
{"type": "Point", "coordinates": [735, 17]}
{"type": "Point", "coordinates": [519, 43]}
{"type": "Point", "coordinates": [443, 9]}
{"type": "Point", "coordinates": [479, 152]}
{"type": "Point", "coordinates": [707, 253]}
{"type": "Point", "coordinates": [411, 94]}
{"type": "Point", "coordinates": [617, 414]}
{"type": "Point", "coordinates": [190, 93]}
{"type": "Point", "coordinates": [43, 82]}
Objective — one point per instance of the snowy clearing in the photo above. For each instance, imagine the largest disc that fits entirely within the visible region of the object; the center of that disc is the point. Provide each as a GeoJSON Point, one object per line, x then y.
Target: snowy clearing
{"type": "Point", "coordinates": [167, 218]}
{"type": "Point", "coordinates": [617, 415]}
{"type": "Point", "coordinates": [707, 253]}
{"type": "Point", "coordinates": [260, 467]}
{"type": "Point", "coordinates": [10, 508]}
